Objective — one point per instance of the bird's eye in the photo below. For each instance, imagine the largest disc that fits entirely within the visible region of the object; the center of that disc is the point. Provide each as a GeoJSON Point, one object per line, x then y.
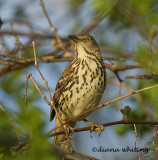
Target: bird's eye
{"type": "Point", "coordinates": [88, 39]}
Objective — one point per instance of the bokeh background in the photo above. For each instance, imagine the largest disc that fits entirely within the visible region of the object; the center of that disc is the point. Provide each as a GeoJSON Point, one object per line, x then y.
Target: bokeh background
{"type": "Point", "coordinates": [123, 30]}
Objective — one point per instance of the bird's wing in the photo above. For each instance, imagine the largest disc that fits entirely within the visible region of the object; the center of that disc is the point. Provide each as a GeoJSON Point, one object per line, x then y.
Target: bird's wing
{"type": "Point", "coordinates": [62, 83]}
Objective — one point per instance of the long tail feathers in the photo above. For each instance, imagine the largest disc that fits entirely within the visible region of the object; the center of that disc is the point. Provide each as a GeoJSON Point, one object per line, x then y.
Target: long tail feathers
{"type": "Point", "coordinates": [61, 140]}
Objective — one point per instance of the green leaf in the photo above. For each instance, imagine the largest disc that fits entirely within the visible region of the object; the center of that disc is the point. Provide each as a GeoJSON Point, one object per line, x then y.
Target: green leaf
{"type": "Point", "coordinates": [126, 111]}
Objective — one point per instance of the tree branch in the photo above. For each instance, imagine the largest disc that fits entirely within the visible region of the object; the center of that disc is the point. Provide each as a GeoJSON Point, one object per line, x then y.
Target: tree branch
{"type": "Point", "coordinates": [105, 125]}
{"type": "Point", "coordinates": [105, 104]}
{"type": "Point", "coordinates": [154, 77]}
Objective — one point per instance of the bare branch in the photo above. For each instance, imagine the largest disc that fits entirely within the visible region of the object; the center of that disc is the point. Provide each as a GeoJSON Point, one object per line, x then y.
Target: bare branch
{"type": "Point", "coordinates": [119, 94]}
{"type": "Point", "coordinates": [53, 29]}
{"type": "Point", "coordinates": [25, 95]}
{"type": "Point", "coordinates": [154, 77]}
{"type": "Point", "coordinates": [85, 156]}
{"type": "Point", "coordinates": [117, 52]}
{"type": "Point", "coordinates": [34, 51]}
{"type": "Point", "coordinates": [136, 134]}
{"type": "Point", "coordinates": [52, 104]}
{"type": "Point", "coordinates": [105, 104]}
{"type": "Point", "coordinates": [39, 90]}
{"type": "Point", "coordinates": [105, 125]}
{"type": "Point", "coordinates": [140, 100]}
{"type": "Point", "coordinates": [116, 68]}
{"type": "Point", "coordinates": [27, 34]}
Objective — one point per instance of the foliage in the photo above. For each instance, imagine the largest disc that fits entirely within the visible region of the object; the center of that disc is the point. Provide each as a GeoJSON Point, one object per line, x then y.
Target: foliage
{"type": "Point", "coordinates": [30, 127]}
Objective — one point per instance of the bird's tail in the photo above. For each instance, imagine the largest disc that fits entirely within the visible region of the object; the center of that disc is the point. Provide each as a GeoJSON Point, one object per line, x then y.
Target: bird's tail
{"type": "Point", "coordinates": [62, 140]}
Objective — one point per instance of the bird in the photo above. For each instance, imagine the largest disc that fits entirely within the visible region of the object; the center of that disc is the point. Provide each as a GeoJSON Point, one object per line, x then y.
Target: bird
{"type": "Point", "coordinates": [80, 86]}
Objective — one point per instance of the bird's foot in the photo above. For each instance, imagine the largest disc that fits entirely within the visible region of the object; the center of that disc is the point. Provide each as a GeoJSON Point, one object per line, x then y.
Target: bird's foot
{"type": "Point", "coordinates": [71, 130]}
{"type": "Point", "coordinates": [94, 127]}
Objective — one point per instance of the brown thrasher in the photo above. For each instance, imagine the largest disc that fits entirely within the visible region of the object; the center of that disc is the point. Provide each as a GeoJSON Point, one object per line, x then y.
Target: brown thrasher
{"type": "Point", "coordinates": [81, 85]}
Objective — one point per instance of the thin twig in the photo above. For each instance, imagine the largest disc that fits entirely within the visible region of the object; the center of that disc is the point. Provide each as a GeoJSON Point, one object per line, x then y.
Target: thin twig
{"type": "Point", "coordinates": [152, 145]}
{"type": "Point", "coordinates": [136, 134]}
{"type": "Point", "coordinates": [52, 104]}
{"type": "Point", "coordinates": [53, 58]}
{"type": "Point", "coordinates": [27, 34]}
{"type": "Point", "coordinates": [19, 62]}
{"type": "Point", "coordinates": [23, 149]}
{"type": "Point", "coordinates": [53, 29]}
{"type": "Point", "coordinates": [25, 95]}
{"type": "Point", "coordinates": [71, 157]}
{"type": "Point", "coordinates": [119, 94]}
{"type": "Point", "coordinates": [17, 42]}
{"type": "Point", "coordinates": [116, 68]}
{"type": "Point", "coordinates": [105, 125]}
{"type": "Point", "coordinates": [117, 52]}
{"type": "Point", "coordinates": [85, 156]}
{"type": "Point", "coordinates": [139, 99]}
{"type": "Point", "coordinates": [34, 51]}
{"type": "Point", "coordinates": [105, 104]}
{"type": "Point", "coordinates": [39, 90]}
{"type": "Point", "coordinates": [44, 97]}
{"type": "Point", "coordinates": [154, 77]}
{"type": "Point", "coordinates": [46, 83]}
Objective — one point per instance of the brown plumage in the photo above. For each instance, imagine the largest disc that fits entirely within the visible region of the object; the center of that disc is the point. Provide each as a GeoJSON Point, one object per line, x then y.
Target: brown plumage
{"type": "Point", "coordinates": [81, 85]}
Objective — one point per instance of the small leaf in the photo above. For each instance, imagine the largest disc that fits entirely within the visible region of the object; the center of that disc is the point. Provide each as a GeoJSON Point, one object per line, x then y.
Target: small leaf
{"type": "Point", "coordinates": [126, 111]}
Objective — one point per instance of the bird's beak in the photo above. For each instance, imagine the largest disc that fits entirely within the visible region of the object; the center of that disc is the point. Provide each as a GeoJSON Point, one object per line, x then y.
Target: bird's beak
{"type": "Point", "coordinates": [73, 37]}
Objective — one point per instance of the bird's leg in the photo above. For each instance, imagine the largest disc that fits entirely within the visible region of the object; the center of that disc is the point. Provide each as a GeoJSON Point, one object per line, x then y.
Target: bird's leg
{"type": "Point", "coordinates": [66, 143]}
{"type": "Point", "coordinates": [70, 129]}
{"type": "Point", "coordinates": [94, 127]}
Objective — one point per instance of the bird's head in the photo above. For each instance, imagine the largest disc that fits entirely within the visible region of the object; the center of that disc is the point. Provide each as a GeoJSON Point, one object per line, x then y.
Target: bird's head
{"type": "Point", "coordinates": [85, 41]}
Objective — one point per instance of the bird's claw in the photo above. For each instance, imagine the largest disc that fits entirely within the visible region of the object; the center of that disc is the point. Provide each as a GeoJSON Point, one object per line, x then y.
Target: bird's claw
{"type": "Point", "coordinates": [95, 127]}
{"type": "Point", "coordinates": [71, 130]}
